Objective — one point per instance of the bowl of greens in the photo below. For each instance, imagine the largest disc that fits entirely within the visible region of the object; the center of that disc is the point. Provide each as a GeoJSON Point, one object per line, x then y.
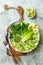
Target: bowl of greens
{"type": "Point", "coordinates": [23, 37]}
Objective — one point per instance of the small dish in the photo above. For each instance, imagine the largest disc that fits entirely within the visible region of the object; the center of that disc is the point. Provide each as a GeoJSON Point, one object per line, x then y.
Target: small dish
{"type": "Point", "coordinates": [30, 12]}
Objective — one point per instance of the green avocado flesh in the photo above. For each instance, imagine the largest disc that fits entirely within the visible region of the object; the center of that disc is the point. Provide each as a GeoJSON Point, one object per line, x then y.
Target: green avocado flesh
{"type": "Point", "coordinates": [22, 38]}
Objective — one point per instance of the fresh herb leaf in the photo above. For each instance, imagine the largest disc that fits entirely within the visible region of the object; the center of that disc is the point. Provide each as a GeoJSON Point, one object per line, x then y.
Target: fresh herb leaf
{"type": "Point", "coordinates": [18, 26]}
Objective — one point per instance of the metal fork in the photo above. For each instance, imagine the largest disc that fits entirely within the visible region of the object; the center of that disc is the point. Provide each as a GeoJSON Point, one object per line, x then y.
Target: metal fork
{"type": "Point", "coordinates": [9, 52]}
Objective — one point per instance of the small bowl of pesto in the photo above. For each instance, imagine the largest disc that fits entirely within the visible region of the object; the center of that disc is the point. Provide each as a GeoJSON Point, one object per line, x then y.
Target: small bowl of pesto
{"type": "Point", "coordinates": [30, 13]}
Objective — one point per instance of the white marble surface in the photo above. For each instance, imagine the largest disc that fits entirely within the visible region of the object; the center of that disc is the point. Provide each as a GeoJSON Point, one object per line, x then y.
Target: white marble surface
{"type": "Point", "coordinates": [7, 17]}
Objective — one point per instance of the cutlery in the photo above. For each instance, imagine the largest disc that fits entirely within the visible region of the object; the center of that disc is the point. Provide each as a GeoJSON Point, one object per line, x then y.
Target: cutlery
{"type": "Point", "coordinates": [9, 52]}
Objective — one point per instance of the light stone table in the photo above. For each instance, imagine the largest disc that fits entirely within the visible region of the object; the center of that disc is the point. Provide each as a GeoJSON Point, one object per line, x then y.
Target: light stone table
{"type": "Point", "coordinates": [8, 17]}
